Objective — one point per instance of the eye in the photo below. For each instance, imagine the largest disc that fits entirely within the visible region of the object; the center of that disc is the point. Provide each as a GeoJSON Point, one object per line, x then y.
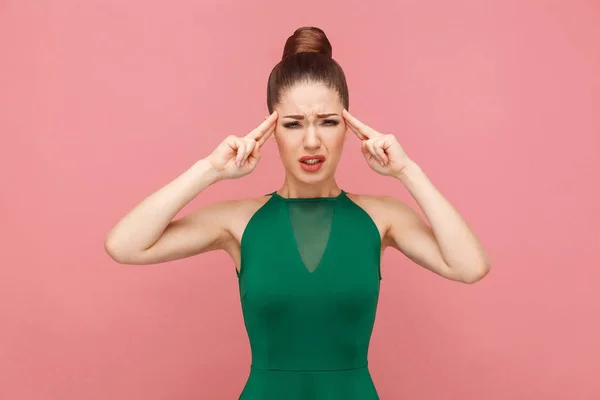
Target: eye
{"type": "Point", "coordinates": [291, 124]}
{"type": "Point", "coordinates": [296, 124]}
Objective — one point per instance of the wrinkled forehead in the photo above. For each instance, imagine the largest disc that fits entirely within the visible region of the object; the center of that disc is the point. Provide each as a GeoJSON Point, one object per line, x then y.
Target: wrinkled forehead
{"type": "Point", "coordinates": [309, 99]}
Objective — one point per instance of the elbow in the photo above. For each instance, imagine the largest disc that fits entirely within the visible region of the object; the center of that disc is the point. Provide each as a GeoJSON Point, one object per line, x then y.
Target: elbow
{"type": "Point", "coordinates": [478, 274]}
{"type": "Point", "coordinates": [115, 251]}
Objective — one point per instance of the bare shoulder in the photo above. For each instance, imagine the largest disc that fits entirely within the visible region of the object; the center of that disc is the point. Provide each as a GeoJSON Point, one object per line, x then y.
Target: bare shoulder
{"type": "Point", "coordinates": [375, 207]}
{"type": "Point", "coordinates": [239, 213]}
{"type": "Point", "coordinates": [382, 209]}
{"type": "Point", "coordinates": [376, 204]}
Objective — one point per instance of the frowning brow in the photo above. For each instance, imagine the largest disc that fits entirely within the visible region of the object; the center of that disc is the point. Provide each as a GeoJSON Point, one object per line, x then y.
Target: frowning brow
{"type": "Point", "coordinates": [302, 116]}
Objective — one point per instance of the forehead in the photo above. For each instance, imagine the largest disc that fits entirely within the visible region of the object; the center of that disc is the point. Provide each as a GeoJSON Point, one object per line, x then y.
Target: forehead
{"type": "Point", "coordinates": [309, 98]}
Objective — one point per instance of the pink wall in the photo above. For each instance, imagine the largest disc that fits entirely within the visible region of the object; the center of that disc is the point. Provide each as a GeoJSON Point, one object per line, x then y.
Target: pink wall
{"type": "Point", "coordinates": [102, 102]}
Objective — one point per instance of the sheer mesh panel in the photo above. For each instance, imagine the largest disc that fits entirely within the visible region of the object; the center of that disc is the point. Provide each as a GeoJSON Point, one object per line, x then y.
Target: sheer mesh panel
{"type": "Point", "coordinates": [311, 223]}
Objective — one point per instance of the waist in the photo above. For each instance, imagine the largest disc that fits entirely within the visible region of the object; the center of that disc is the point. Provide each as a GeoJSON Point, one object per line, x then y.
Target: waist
{"type": "Point", "coordinates": [354, 383]}
{"type": "Point", "coordinates": [256, 367]}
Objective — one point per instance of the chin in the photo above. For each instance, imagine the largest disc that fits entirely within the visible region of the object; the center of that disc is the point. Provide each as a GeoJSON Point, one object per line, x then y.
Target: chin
{"type": "Point", "coordinates": [312, 178]}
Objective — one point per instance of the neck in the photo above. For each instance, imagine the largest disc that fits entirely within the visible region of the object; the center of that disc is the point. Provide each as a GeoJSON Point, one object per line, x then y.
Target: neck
{"type": "Point", "coordinates": [294, 188]}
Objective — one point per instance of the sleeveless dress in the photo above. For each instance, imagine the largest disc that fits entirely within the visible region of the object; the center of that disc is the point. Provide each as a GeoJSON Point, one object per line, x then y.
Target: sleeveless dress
{"type": "Point", "coordinates": [309, 287]}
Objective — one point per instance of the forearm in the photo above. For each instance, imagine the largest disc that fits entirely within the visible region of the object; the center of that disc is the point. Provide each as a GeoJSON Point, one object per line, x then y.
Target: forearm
{"type": "Point", "coordinates": [458, 244]}
{"type": "Point", "coordinates": [141, 227]}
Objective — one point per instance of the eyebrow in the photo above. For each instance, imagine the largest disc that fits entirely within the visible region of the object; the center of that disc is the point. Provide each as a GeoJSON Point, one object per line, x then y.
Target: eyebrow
{"type": "Point", "coordinates": [302, 116]}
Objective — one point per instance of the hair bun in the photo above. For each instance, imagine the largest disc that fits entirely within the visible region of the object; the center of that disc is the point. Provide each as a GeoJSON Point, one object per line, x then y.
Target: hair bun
{"type": "Point", "coordinates": [307, 39]}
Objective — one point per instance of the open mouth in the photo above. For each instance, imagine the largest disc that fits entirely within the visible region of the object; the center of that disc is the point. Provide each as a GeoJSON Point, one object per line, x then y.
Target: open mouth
{"type": "Point", "coordinates": [311, 160]}
{"type": "Point", "coordinates": [311, 163]}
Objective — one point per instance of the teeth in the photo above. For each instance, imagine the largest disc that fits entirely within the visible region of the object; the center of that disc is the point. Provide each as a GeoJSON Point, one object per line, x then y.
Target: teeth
{"type": "Point", "coordinates": [311, 161]}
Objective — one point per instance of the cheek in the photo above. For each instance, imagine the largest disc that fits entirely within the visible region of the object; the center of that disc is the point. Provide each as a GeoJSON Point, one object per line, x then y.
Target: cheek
{"type": "Point", "coordinates": [285, 144]}
{"type": "Point", "coordinates": [336, 142]}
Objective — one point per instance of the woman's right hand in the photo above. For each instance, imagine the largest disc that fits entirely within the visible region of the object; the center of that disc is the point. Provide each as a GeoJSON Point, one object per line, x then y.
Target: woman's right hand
{"type": "Point", "coordinates": [238, 156]}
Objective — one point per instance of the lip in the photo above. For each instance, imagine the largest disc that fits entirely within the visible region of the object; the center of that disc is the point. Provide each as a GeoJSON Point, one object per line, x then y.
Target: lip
{"type": "Point", "coordinates": [316, 157]}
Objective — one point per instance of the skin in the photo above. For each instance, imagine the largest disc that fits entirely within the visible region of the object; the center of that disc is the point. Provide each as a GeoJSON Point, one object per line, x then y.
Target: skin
{"type": "Point", "coordinates": [309, 120]}
{"type": "Point", "coordinates": [310, 123]}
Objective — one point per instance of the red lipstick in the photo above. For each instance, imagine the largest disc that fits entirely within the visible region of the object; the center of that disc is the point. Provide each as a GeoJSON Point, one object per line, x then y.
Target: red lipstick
{"type": "Point", "coordinates": [311, 163]}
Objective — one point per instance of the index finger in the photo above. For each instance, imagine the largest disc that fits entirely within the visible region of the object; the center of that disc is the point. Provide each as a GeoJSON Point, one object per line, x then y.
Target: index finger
{"type": "Point", "coordinates": [261, 140]}
{"type": "Point", "coordinates": [362, 130]}
{"type": "Point", "coordinates": [262, 129]}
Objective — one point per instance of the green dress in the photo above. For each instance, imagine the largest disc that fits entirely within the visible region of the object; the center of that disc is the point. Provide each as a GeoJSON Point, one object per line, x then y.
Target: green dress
{"type": "Point", "coordinates": [309, 286]}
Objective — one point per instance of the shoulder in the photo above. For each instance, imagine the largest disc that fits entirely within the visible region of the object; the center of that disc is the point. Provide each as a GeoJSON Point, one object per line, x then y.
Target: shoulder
{"type": "Point", "coordinates": [233, 216]}
{"type": "Point", "coordinates": [229, 215]}
{"type": "Point", "coordinates": [239, 206]}
{"type": "Point", "coordinates": [249, 205]}
{"type": "Point", "coordinates": [239, 212]}
{"type": "Point", "coordinates": [377, 207]}
{"type": "Point", "coordinates": [386, 211]}
{"type": "Point", "coordinates": [378, 204]}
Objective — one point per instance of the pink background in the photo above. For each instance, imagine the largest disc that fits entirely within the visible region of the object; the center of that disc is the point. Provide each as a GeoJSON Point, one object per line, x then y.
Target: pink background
{"type": "Point", "coordinates": [103, 102]}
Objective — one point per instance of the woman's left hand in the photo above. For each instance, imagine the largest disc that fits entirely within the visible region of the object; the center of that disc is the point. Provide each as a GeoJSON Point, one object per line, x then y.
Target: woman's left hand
{"type": "Point", "coordinates": [382, 152]}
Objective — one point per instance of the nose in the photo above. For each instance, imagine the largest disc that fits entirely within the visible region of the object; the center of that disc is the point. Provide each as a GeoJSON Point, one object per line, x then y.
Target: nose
{"type": "Point", "coordinates": [311, 140]}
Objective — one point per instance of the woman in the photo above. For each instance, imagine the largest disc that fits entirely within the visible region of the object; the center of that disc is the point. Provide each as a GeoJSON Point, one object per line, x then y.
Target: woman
{"type": "Point", "coordinates": [307, 256]}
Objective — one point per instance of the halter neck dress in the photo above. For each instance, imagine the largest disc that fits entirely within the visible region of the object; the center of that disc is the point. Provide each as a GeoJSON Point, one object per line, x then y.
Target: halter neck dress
{"type": "Point", "coordinates": [309, 286]}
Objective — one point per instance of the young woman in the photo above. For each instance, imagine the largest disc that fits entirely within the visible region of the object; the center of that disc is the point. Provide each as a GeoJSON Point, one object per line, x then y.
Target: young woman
{"type": "Point", "coordinates": [307, 255]}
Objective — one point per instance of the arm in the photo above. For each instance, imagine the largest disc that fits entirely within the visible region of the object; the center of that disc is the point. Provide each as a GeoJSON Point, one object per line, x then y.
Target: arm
{"type": "Point", "coordinates": [148, 234]}
{"type": "Point", "coordinates": [446, 246]}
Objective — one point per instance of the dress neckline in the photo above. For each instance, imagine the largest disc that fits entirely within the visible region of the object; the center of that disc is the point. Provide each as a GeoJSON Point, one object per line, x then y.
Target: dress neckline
{"type": "Point", "coordinates": [308, 199]}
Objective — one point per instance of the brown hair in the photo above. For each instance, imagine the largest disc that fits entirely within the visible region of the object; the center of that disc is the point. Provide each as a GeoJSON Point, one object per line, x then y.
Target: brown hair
{"type": "Point", "coordinates": [306, 58]}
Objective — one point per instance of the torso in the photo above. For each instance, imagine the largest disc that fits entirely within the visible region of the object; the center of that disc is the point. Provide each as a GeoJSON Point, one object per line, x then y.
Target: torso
{"type": "Point", "coordinates": [309, 286]}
